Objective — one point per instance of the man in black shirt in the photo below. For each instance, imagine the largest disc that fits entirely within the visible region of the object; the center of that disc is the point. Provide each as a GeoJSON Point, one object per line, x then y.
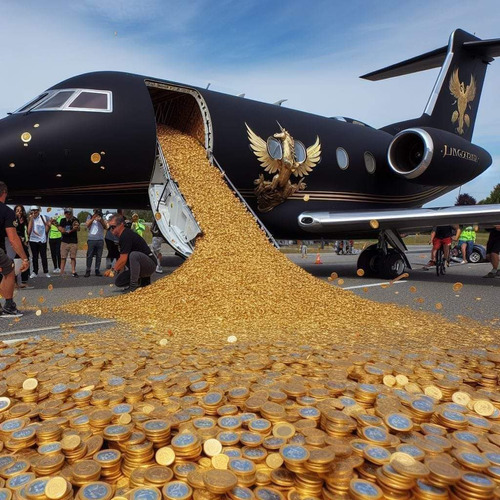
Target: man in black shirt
{"type": "Point", "coordinates": [7, 229]}
{"type": "Point", "coordinates": [69, 227]}
{"type": "Point", "coordinates": [441, 236]}
{"type": "Point", "coordinates": [134, 253]}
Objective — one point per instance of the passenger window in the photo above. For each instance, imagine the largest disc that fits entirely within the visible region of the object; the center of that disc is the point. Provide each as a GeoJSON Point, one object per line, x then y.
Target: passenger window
{"type": "Point", "coordinates": [90, 100]}
{"type": "Point", "coordinates": [57, 101]}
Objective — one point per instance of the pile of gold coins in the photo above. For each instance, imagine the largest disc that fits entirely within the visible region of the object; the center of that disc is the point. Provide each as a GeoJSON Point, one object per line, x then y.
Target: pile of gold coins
{"type": "Point", "coordinates": [124, 415]}
{"type": "Point", "coordinates": [237, 283]}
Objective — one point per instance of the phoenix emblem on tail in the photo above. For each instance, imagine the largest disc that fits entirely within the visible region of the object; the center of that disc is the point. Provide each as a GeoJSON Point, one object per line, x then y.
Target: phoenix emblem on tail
{"type": "Point", "coordinates": [463, 96]}
{"type": "Point", "coordinates": [283, 156]}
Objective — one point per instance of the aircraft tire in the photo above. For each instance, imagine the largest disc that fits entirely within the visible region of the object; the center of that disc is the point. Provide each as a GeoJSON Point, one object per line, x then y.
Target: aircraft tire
{"type": "Point", "coordinates": [393, 265]}
{"type": "Point", "coordinates": [369, 261]}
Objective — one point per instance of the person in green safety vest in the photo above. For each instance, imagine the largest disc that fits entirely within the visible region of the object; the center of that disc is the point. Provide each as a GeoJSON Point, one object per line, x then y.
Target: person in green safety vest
{"type": "Point", "coordinates": [138, 225]}
{"type": "Point", "coordinates": [466, 237]}
{"type": "Point", "coordinates": [55, 238]}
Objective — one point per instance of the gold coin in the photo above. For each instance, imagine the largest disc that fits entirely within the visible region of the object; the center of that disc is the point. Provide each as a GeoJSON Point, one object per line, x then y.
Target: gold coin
{"type": "Point", "coordinates": [163, 342]}
{"type": "Point", "coordinates": [484, 408]}
{"type": "Point", "coordinates": [50, 287]}
{"type": "Point", "coordinates": [56, 488]}
{"type": "Point", "coordinates": [389, 380]}
{"type": "Point", "coordinates": [232, 339]}
{"type": "Point", "coordinates": [457, 286]}
{"type": "Point", "coordinates": [360, 272]}
{"type": "Point", "coordinates": [402, 458]}
{"type": "Point", "coordinates": [306, 197]}
{"type": "Point", "coordinates": [212, 447]}
{"type": "Point", "coordinates": [460, 398]}
{"type": "Point", "coordinates": [374, 224]}
{"type": "Point", "coordinates": [283, 430]}
{"type": "Point", "coordinates": [165, 456]}
{"type": "Point", "coordinates": [30, 384]}
{"type": "Point", "coordinates": [157, 215]}
{"type": "Point", "coordinates": [95, 157]}
{"type": "Point", "coordinates": [433, 392]}
{"type": "Point", "coordinates": [71, 442]}
{"type": "Point", "coordinates": [220, 461]}
{"type": "Point", "coordinates": [274, 460]}
{"type": "Point", "coordinates": [125, 419]}
{"type": "Point", "coordinates": [38, 312]}
{"type": "Point", "coordinates": [26, 137]}
{"type": "Point", "coordinates": [401, 379]}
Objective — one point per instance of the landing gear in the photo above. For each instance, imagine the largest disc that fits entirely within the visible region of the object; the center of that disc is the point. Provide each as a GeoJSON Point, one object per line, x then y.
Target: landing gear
{"type": "Point", "coordinates": [381, 261]}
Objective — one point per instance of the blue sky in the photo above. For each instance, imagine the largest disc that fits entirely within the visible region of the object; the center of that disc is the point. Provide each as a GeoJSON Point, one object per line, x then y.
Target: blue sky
{"type": "Point", "coordinates": [310, 53]}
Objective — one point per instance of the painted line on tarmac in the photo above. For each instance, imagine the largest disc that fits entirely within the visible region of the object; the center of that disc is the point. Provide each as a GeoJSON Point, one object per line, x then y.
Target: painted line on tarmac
{"type": "Point", "coordinates": [373, 284]}
{"type": "Point", "coordinates": [48, 328]}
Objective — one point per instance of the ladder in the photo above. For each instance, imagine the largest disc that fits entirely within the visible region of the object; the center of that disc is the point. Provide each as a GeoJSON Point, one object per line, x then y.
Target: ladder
{"type": "Point", "coordinates": [177, 223]}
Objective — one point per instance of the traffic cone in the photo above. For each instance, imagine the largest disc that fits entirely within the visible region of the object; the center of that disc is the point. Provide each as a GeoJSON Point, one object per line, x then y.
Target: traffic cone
{"type": "Point", "coordinates": [318, 259]}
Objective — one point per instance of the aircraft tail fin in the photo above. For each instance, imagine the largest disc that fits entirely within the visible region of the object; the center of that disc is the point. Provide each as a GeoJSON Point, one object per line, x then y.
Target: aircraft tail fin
{"type": "Point", "coordinates": [454, 100]}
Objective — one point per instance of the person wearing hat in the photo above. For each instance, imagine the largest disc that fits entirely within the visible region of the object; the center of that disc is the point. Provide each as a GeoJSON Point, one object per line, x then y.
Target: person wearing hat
{"type": "Point", "coordinates": [38, 227]}
{"type": "Point", "coordinates": [8, 230]}
{"type": "Point", "coordinates": [69, 227]}
{"type": "Point", "coordinates": [138, 225]}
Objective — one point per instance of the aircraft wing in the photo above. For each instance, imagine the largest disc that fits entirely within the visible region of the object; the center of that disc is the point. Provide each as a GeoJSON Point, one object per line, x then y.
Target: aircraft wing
{"type": "Point", "coordinates": [360, 224]}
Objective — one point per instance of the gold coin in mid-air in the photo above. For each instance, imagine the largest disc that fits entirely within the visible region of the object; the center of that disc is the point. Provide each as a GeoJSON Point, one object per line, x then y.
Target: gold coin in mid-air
{"type": "Point", "coordinates": [95, 157]}
{"type": "Point", "coordinates": [374, 224]}
{"type": "Point", "coordinates": [157, 215]}
{"type": "Point", "coordinates": [26, 137]}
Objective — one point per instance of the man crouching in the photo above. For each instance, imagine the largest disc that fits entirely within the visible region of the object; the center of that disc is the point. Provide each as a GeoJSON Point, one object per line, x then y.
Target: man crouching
{"type": "Point", "coordinates": [134, 254]}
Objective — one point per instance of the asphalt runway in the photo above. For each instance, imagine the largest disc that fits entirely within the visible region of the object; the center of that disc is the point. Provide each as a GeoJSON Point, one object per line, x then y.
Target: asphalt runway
{"type": "Point", "coordinates": [478, 299]}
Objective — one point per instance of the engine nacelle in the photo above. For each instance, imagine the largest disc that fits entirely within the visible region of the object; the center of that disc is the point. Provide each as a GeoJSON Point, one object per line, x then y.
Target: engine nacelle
{"type": "Point", "coordinates": [435, 157]}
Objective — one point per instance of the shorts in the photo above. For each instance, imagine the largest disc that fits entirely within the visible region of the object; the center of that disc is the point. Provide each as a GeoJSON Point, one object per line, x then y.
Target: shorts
{"type": "Point", "coordinates": [493, 245]}
{"type": "Point", "coordinates": [437, 242]}
{"type": "Point", "coordinates": [156, 244]}
{"type": "Point", "coordinates": [6, 263]}
{"type": "Point", "coordinates": [69, 249]}
{"type": "Point", "coordinates": [469, 243]}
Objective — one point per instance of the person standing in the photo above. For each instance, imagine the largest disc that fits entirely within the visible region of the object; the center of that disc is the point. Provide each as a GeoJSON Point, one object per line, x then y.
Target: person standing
{"type": "Point", "coordinates": [465, 238]}
{"type": "Point", "coordinates": [156, 244]}
{"type": "Point", "coordinates": [134, 254]}
{"type": "Point", "coordinates": [7, 230]}
{"type": "Point", "coordinates": [38, 227]}
{"type": "Point", "coordinates": [21, 225]}
{"type": "Point", "coordinates": [493, 252]}
{"type": "Point", "coordinates": [69, 227]}
{"type": "Point", "coordinates": [138, 225]}
{"type": "Point", "coordinates": [111, 245]}
{"type": "Point", "coordinates": [95, 241]}
{"type": "Point", "coordinates": [55, 238]}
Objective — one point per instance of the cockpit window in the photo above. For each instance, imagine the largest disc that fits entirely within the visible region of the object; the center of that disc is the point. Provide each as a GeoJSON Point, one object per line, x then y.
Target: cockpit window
{"type": "Point", "coordinates": [56, 101]}
{"type": "Point", "coordinates": [71, 100]}
{"type": "Point", "coordinates": [90, 100]}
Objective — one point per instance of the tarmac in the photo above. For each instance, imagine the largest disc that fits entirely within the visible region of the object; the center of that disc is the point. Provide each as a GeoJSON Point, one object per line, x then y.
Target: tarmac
{"type": "Point", "coordinates": [421, 290]}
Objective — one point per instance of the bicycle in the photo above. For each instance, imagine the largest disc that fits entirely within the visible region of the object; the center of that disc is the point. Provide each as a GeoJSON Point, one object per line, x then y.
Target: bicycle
{"type": "Point", "coordinates": [440, 262]}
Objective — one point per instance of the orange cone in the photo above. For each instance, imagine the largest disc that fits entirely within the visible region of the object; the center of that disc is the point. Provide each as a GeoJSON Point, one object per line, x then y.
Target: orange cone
{"type": "Point", "coordinates": [318, 259]}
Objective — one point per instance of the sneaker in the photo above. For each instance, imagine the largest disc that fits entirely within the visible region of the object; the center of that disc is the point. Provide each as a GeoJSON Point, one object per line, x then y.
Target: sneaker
{"type": "Point", "coordinates": [47, 275]}
{"type": "Point", "coordinates": [431, 263]}
{"type": "Point", "coordinates": [491, 274]}
{"type": "Point", "coordinates": [75, 275]}
{"type": "Point", "coordinates": [56, 271]}
{"type": "Point", "coordinates": [129, 289]}
{"type": "Point", "coordinates": [159, 269]}
{"type": "Point", "coordinates": [98, 273]}
{"type": "Point", "coordinates": [33, 275]}
{"type": "Point", "coordinates": [11, 311]}
{"type": "Point", "coordinates": [86, 275]}
{"type": "Point", "coordinates": [463, 262]}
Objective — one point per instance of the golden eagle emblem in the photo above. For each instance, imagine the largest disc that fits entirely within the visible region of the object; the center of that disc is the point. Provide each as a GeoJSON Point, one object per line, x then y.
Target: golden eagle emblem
{"type": "Point", "coordinates": [283, 156]}
{"type": "Point", "coordinates": [463, 96]}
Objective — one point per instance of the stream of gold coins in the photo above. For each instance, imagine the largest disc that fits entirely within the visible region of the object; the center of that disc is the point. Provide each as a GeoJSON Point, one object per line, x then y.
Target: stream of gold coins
{"type": "Point", "coordinates": [237, 283]}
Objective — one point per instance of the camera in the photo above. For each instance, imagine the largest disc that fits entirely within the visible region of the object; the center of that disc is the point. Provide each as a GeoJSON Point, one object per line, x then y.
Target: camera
{"type": "Point", "coordinates": [98, 211]}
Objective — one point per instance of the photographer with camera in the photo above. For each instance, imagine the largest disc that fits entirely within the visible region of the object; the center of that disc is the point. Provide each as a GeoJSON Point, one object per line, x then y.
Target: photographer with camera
{"type": "Point", "coordinates": [95, 241]}
{"type": "Point", "coordinates": [38, 227]}
{"type": "Point", "coordinates": [69, 227]}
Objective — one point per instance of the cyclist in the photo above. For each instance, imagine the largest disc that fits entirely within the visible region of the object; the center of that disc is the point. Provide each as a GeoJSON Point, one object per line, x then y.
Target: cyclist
{"type": "Point", "coordinates": [441, 236]}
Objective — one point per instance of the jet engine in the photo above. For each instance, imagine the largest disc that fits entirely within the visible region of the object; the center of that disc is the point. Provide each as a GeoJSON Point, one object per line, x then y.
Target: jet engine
{"type": "Point", "coordinates": [435, 157]}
